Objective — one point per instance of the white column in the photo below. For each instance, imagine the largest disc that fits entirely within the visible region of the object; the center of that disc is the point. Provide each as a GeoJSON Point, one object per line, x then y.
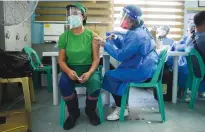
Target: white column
{"type": "Point", "coordinates": [106, 65]}
{"type": "Point", "coordinates": [55, 80]}
{"type": "Point", "coordinates": [175, 80]}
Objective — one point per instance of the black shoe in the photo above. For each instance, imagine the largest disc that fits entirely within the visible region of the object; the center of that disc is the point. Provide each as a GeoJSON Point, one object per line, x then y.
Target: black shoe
{"type": "Point", "coordinates": [91, 113]}
{"type": "Point", "coordinates": [70, 122]}
{"type": "Point", "coordinates": [94, 119]}
{"type": "Point", "coordinates": [74, 113]}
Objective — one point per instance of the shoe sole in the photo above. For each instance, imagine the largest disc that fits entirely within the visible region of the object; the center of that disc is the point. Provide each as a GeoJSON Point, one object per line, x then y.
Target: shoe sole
{"type": "Point", "coordinates": [117, 118]}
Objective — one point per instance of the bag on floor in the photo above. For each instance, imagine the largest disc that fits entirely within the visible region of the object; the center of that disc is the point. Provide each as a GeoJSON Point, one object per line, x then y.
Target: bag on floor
{"type": "Point", "coordinates": [167, 84]}
{"type": "Point", "coordinates": [14, 64]}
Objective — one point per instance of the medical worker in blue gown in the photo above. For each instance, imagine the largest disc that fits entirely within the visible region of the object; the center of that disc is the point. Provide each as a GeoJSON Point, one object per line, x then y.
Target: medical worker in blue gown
{"type": "Point", "coordinates": [162, 33]}
{"type": "Point", "coordinates": [136, 53]}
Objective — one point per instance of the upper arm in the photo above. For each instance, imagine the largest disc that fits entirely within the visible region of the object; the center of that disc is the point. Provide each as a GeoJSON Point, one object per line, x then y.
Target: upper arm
{"type": "Point", "coordinates": [62, 42]}
{"type": "Point", "coordinates": [95, 48]}
{"type": "Point", "coordinates": [62, 55]}
{"type": "Point", "coordinates": [62, 48]}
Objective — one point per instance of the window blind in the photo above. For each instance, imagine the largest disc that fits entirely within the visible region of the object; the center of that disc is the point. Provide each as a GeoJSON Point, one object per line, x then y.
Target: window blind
{"type": "Point", "coordinates": [169, 13]}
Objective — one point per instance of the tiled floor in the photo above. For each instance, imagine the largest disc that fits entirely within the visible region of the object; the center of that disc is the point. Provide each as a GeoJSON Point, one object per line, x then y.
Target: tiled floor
{"type": "Point", "coordinates": [144, 116]}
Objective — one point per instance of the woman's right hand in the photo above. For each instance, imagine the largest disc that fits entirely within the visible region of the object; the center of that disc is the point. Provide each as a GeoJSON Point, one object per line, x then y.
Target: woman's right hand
{"type": "Point", "coordinates": [72, 74]}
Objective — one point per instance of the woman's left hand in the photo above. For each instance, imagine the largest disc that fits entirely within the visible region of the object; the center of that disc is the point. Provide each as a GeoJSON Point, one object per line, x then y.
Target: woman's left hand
{"type": "Point", "coordinates": [84, 77]}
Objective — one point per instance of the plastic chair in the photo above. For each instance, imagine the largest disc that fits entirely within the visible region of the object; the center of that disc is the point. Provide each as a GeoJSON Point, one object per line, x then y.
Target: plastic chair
{"type": "Point", "coordinates": [28, 90]}
{"type": "Point", "coordinates": [37, 68]}
{"type": "Point", "coordinates": [99, 104]}
{"type": "Point", "coordinates": [156, 82]}
{"type": "Point", "coordinates": [188, 83]}
{"type": "Point", "coordinates": [195, 81]}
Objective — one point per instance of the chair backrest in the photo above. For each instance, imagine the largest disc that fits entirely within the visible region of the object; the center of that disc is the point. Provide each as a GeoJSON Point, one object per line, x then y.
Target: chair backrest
{"type": "Point", "coordinates": [194, 52]}
{"type": "Point", "coordinates": [32, 53]}
{"type": "Point", "coordinates": [160, 67]}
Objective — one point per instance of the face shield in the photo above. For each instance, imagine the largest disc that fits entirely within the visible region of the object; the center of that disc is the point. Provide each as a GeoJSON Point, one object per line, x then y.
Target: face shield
{"type": "Point", "coordinates": [127, 19]}
{"type": "Point", "coordinates": [190, 30]}
{"type": "Point", "coordinates": [162, 31]}
{"type": "Point", "coordinates": [74, 18]}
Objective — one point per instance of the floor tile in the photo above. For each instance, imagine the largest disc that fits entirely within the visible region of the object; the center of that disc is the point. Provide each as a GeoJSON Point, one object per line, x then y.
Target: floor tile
{"type": "Point", "coordinates": [168, 126]}
{"type": "Point", "coordinates": [144, 115]}
{"type": "Point", "coordinates": [108, 126]}
{"type": "Point", "coordinates": [134, 126]}
{"type": "Point", "coordinates": [40, 126]}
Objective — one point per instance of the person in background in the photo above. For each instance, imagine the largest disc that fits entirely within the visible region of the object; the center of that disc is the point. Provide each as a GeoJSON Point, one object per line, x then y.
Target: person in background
{"type": "Point", "coordinates": [182, 67]}
{"type": "Point", "coordinates": [79, 60]}
{"type": "Point", "coordinates": [198, 42]}
{"type": "Point", "coordinates": [162, 33]}
{"type": "Point", "coordinates": [186, 38]}
{"type": "Point", "coordinates": [135, 51]}
{"type": "Point", "coordinates": [199, 45]}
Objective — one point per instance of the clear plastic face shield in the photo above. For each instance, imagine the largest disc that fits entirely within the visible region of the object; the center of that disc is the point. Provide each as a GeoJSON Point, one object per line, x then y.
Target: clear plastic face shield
{"type": "Point", "coordinates": [190, 30]}
{"type": "Point", "coordinates": [127, 19]}
{"type": "Point", "coordinates": [74, 18]}
{"type": "Point", "coordinates": [162, 31]}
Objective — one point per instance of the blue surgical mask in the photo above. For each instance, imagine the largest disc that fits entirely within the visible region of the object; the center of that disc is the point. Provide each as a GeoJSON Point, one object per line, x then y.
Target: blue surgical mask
{"type": "Point", "coordinates": [200, 37]}
{"type": "Point", "coordinates": [74, 21]}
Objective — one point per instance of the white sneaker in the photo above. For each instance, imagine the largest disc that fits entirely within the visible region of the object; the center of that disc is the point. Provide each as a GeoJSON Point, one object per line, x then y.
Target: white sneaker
{"type": "Point", "coordinates": [187, 100]}
{"type": "Point", "coordinates": [115, 115]}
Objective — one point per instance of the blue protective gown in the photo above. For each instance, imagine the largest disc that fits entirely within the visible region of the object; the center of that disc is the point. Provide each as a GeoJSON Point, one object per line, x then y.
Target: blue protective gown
{"type": "Point", "coordinates": [186, 42]}
{"type": "Point", "coordinates": [167, 41]}
{"type": "Point", "coordinates": [135, 51]}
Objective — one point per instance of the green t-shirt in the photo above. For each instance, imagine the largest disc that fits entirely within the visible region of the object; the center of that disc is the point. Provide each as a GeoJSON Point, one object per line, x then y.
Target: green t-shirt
{"type": "Point", "coordinates": [78, 47]}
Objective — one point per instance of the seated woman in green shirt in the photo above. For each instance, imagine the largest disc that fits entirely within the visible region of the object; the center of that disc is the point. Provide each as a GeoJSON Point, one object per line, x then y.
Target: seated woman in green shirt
{"type": "Point", "coordinates": [79, 60]}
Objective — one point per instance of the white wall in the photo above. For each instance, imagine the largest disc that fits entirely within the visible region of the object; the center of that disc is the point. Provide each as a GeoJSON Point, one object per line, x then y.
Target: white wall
{"type": "Point", "coordinates": [190, 4]}
{"type": "Point", "coordinates": [53, 31]}
{"type": "Point", "coordinates": [193, 3]}
{"type": "Point", "coordinates": [22, 30]}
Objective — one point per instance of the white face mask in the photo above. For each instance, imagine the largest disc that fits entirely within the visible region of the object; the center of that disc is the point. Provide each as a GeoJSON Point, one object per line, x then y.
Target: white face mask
{"type": "Point", "coordinates": [162, 33]}
{"type": "Point", "coordinates": [189, 31]}
{"type": "Point", "coordinates": [75, 21]}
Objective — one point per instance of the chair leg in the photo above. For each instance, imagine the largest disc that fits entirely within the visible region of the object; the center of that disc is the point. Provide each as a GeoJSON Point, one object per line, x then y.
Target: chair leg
{"type": "Point", "coordinates": [62, 112]}
{"type": "Point", "coordinates": [33, 99]}
{"type": "Point", "coordinates": [123, 105]}
{"type": "Point", "coordinates": [35, 79]}
{"type": "Point", "coordinates": [195, 87]}
{"type": "Point", "coordinates": [127, 102]}
{"type": "Point", "coordinates": [185, 94]}
{"type": "Point", "coordinates": [161, 102]}
{"type": "Point", "coordinates": [158, 101]}
{"type": "Point", "coordinates": [188, 86]}
{"type": "Point", "coordinates": [49, 80]}
{"type": "Point", "coordinates": [26, 91]}
{"type": "Point", "coordinates": [100, 109]}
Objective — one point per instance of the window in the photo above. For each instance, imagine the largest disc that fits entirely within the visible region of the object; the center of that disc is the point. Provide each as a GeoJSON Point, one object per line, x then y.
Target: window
{"type": "Point", "coordinates": [156, 13]}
